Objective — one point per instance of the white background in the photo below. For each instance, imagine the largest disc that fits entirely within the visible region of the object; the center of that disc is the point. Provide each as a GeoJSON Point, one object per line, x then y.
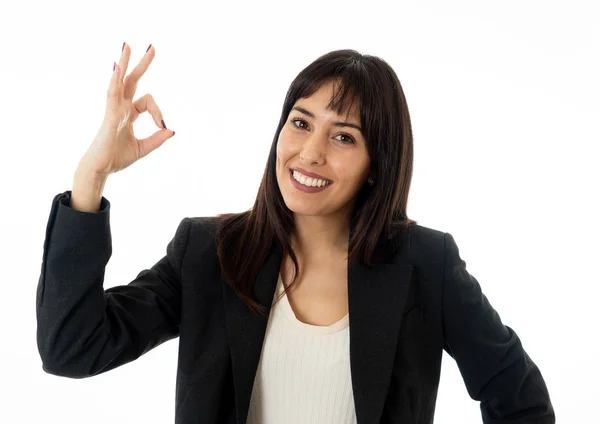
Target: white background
{"type": "Point", "coordinates": [505, 112]}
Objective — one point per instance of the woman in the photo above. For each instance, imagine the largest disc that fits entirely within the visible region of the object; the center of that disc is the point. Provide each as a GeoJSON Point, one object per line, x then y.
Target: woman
{"type": "Point", "coordinates": [322, 303]}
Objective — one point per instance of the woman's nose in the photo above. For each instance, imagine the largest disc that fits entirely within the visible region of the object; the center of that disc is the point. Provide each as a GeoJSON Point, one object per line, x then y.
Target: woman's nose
{"type": "Point", "coordinates": [314, 148]}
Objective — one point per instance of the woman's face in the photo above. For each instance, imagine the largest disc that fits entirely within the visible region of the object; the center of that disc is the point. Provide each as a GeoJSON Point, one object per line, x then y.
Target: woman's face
{"type": "Point", "coordinates": [311, 140]}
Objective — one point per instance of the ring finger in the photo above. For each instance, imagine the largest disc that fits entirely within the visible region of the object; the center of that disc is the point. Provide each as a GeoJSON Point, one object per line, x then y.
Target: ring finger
{"type": "Point", "coordinates": [123, 63]}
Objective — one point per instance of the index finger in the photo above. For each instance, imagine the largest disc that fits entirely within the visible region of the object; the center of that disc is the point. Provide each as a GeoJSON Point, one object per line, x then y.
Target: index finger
{"type": "Point", "coordinates": [132, 79]}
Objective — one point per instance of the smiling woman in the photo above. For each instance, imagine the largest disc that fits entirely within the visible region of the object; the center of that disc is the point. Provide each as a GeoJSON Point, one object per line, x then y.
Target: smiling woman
{"type": "Point", "coordinates": [323, 302]}
{"type": "Point", "coordinates": [344, 120]}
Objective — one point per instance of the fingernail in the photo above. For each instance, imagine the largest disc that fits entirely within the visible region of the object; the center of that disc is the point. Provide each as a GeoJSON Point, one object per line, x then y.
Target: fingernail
{"type": "Point", "coordinates": [173, 133]}
{"type": "Point", "coordinates": [163, 122]}
{"type": "Point", "coordinates": [148, 48]}
{"type": "Point", "coordinates": [114, 66]}
{"type": "Point", "coordinates": [122, 48]}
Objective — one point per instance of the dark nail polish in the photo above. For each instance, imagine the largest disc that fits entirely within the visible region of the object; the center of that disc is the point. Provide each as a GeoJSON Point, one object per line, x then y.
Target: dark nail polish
{"type": "Point", "coordinates": [148, 48]}
{"type": "Point", "coordinates": [163, 122]}
{"type": "Point", "coordinates": [122, 48]}
{"type": "Point", "coordinates": [114, 65]}
{"type": "Point", "coordinates": [173, 133]}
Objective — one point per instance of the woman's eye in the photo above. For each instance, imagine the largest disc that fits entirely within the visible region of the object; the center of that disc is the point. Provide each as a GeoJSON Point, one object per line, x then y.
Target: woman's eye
{"type": "Point", "coordinates": [298, 120]}
{"type": "Point", "coordinates": [350, 139]}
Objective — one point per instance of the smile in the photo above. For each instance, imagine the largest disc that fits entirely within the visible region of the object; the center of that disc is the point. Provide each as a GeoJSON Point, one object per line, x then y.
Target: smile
{"type": "Point", "coordinates": [302, 181]}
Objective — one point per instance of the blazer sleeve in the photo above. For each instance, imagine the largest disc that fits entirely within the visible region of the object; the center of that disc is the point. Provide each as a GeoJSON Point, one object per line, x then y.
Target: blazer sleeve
{"type": "Point", "coordinates": [494, 366]}
{"type": "Point", "coordinates": [84, 330]}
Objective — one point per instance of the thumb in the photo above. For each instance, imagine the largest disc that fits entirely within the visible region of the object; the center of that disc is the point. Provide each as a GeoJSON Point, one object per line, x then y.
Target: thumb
{"type": "Point", "coordinates": [156, 140]}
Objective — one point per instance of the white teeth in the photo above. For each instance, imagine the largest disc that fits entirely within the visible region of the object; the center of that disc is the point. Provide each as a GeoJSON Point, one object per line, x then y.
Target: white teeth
{"type": "Point", "coordinates": [307, 181]}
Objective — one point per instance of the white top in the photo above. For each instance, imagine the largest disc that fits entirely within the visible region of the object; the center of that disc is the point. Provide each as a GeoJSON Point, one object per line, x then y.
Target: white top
{"type": "Point", "coordinates": [303, 375]}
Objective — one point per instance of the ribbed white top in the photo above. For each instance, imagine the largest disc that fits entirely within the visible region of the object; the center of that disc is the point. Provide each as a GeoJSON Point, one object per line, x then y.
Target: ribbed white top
{"type": "Point", "coordinates": [303, 375]}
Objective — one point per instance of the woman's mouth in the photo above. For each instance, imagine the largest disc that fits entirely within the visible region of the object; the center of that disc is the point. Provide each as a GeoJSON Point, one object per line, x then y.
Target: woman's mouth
{"type": "Point", "coordinates": [301, 185]}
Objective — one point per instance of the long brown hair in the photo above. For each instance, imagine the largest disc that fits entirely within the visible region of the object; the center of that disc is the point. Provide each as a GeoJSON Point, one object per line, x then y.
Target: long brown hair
{"type": "Point", "coordinates": [379, 216]}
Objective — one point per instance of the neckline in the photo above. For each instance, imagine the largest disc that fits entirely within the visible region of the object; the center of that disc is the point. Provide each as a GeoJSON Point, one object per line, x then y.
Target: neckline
{"type": "Point", "coordinates": [318, 329]}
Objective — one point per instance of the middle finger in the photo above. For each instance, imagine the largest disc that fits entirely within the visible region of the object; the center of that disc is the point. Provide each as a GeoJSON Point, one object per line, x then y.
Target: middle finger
{"type": "Point", "coordinates": [133, 78]}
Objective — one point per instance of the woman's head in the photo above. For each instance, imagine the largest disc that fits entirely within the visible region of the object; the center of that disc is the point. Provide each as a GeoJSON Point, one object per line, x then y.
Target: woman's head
{"type": "Point", "coordinates": [340, 86]}
{"type": "Point", "coordinates": [315, 139]}
{"type": "Point", "coordinates": [343, 85]}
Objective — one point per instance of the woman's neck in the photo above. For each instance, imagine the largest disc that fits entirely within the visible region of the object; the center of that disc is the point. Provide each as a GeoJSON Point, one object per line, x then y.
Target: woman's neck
{"type": "Point", "coordinates": [317, 238]}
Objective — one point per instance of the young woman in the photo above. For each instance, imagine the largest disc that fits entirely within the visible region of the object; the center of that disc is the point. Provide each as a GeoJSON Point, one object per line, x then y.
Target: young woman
{"type": "Point", "coordinates": [323, 302]}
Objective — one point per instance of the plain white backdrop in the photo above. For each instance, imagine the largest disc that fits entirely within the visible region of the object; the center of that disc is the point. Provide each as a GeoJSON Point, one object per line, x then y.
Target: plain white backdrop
{"type": "Point", "coordinates": [505, 113]}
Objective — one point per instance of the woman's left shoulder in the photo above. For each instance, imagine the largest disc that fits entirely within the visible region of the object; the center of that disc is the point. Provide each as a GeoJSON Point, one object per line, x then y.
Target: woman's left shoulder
{"type": "Point", "coordinates": [420, 240]}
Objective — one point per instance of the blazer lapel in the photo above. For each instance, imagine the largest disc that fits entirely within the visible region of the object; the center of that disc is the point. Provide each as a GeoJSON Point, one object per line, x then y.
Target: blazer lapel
{"type": "Point", "coordinates": [376, 301]}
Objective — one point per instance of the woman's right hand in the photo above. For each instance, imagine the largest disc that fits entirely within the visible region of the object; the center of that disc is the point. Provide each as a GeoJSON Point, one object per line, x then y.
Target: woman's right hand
{"type": "Point", "coordinates": [115, 147]}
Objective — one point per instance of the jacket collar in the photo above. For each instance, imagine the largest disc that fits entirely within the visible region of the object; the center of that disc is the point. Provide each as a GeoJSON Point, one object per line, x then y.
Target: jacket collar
{"type": "Point", "coordinates": [376, 300]}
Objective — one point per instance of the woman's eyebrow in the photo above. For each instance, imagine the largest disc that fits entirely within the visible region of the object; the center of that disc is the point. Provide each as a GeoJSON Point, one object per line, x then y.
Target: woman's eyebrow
{"type": "Point", "coordinates": [337, 124]}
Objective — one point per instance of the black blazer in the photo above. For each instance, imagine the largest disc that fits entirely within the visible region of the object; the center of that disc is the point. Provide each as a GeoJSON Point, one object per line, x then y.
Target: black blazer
{"type": "Point", "coordinates": [403, 315]}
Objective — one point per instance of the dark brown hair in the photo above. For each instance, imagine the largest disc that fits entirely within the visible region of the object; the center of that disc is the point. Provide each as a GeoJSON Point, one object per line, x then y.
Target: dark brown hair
{"type": "Point", "coordinates": [379, 216]}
